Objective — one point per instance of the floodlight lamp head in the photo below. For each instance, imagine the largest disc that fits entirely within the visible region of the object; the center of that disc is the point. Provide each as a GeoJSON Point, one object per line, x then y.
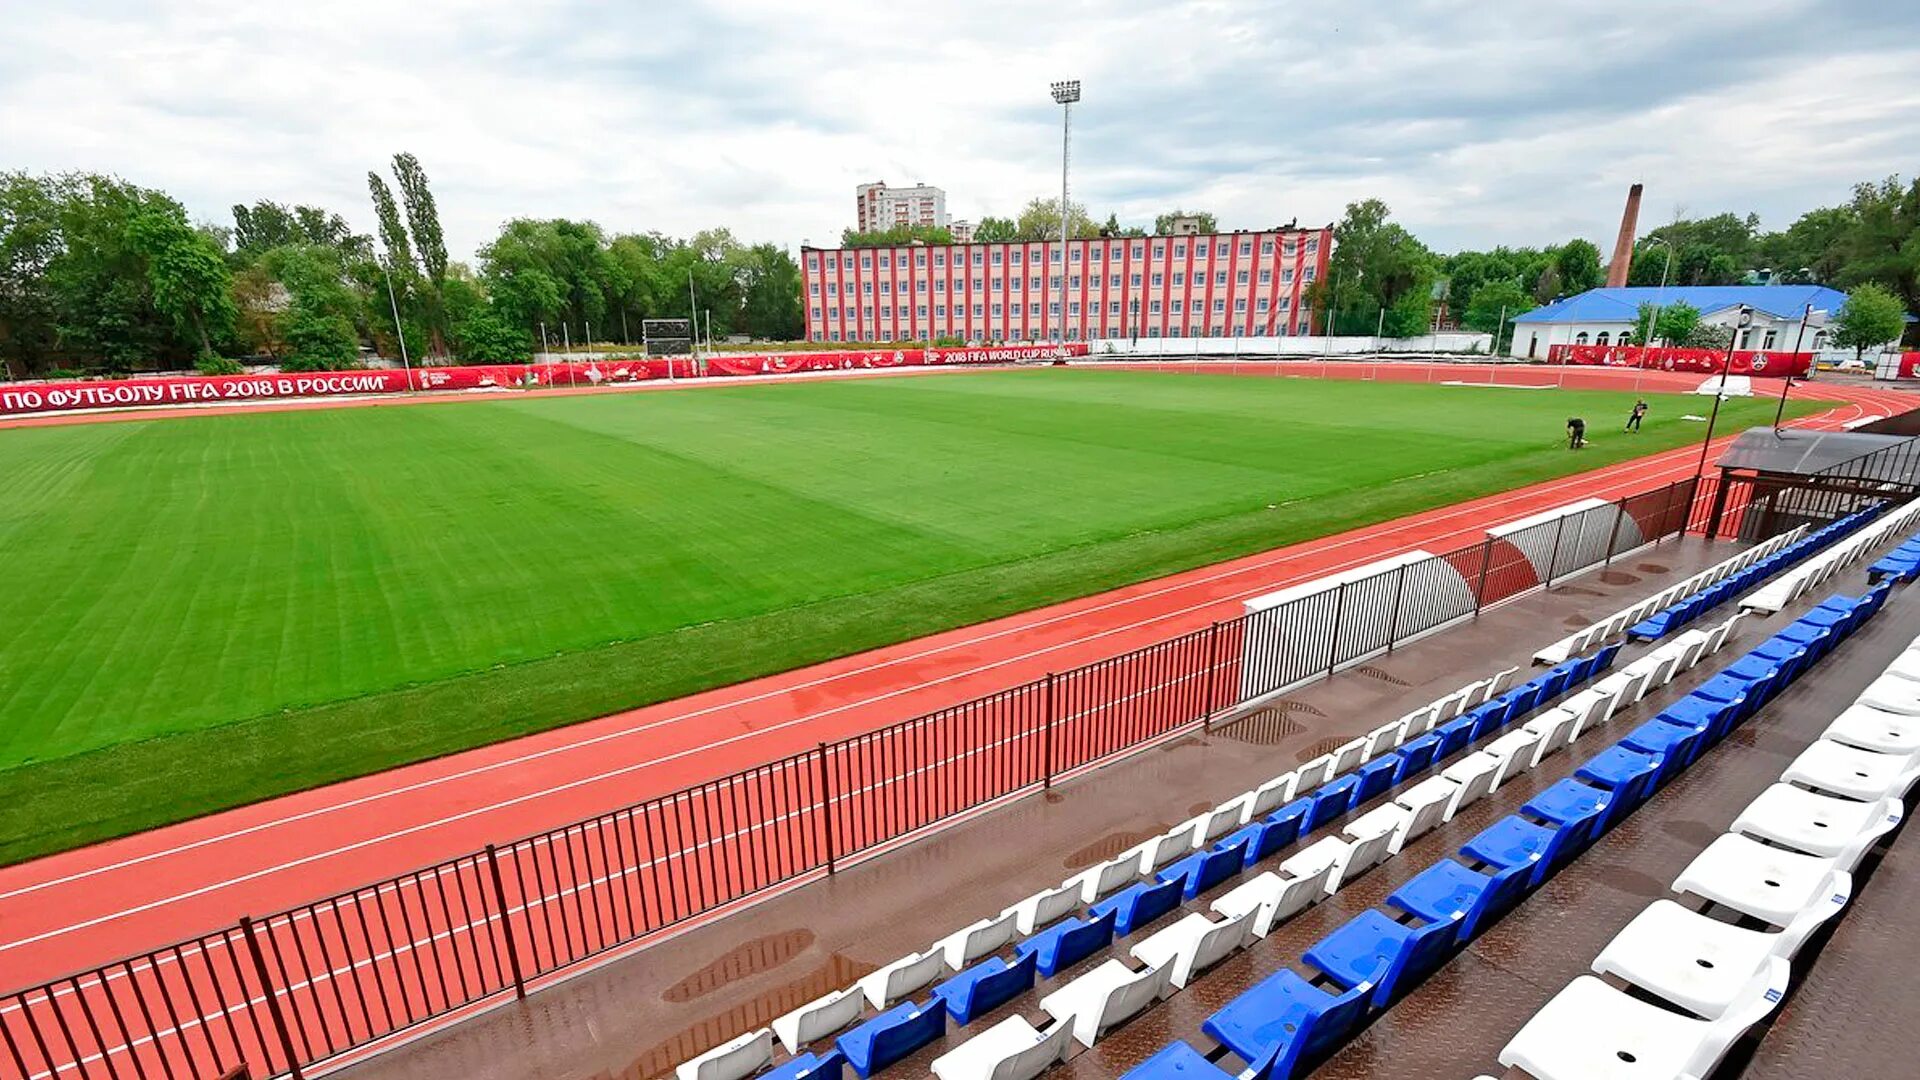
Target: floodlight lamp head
{"type": "Point", "coordinates": [1067, 92]}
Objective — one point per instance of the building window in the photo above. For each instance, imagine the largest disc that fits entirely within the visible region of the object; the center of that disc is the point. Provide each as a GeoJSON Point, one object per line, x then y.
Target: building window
{"type": "Point", "coordinates": [1179, 251]}
{"type": "Point", "coordinates": [835, 335]}
{"type": "Point", "coordinates": [816, 313]}
{"type": "Point", "coordinates": [996, 284]}
{"type": "Point", "coordinates": [1223, 249]}
{"type": "Point", "coordinates": [1219, 307]}
{"type": "Point", "coordinates": [922, 311]}
{"type": "Point", "coordinates": [1313, 245]}
{"type": "Point", "coordinates": [867, 287]}
{"type": "Point", "coordinates": [813, 288]}
{"type": "Point", "coordinates": [1033, 284]}
{"type": "Point", "coordinates": [1307, 274]}
{"type": "Point", "coordinates": [1243, 277]}
{"type": "Point", "coordinates": [1580, 338]}
{"type": "Point", "coordinates": [1054, 282]}
{"type": "Point", "coordinates": [886, 287]}
{"type": "Point", "coordinates": [886, 262]}
{"type": "Point", "coordinates": [977, 256]}
{"type": "Point", "coordinates": [1286, 302]}
{"type": "Point", "coordinates": [939, 259]}
{"type": "Point", "coordinates": [979, 283]}
{"type": "Point", "coordinates": [1153, 308]}
{"type": "Point", "coordinates": [1074, 282]}
{"type": "Point", "coordinates": [1246, 247]}
{"type": "Point", "coordinates": [1179, 279]}
{"type": "Point", "coordinates": [813, 262]}
{"type": "Point", "coordinates": [939, 311]}
{"type": "Point", "coordinates": [1153, 331]}
{"type": "Point", "coordinates": [1139, 251]}
{"type": "Point", "coordinates": [1175, 306]}
{"type": "Point", "coordinates": [1260, 305]}
{"type": "Point", "coordinates": [1746, 338]}
{"type": "Point", "coordinates": [886, 311]}
{"type": "Point", "coordinates": [1240, 305]}
{"type": "Point", "coordinates": [1033, 309]}
{"type": "Point", "coordinates": [976, 311]}
{"type": "Point", "coordinates": [1266, 277]}
{"type": "Point", "coordinates": [1073, 308]}
{"type": "Point", "coordinates": [1113, 307]}
{"type": "Point", "coordinates": [1158, 280]}
{"type": "Point", "coordinates": [997, 309]}
{"type": "Point", "coordinates": [1053, 308]}
{"type": "Point", "coordinates": [1113, 281]}
{"type": "Point", "coordinates": [1266, 246]}
{"type": "Point", "coordinates": [1134, 281]}
{"type": "Point", "coordinates": [1286, 276]}
{"type": "Point", "coordinates": [996, 258]}
{"type": "Point", "coordinates": [919, 258]}
{"type": "Point", "coordinates": [1220, 277]}
{"type": "Point", "coordinates": [940, 286]}
{"type": "Point", "coordinates": [866, 262]}
{"type": "Point", "coordinates": [1767, 341]}
{"type": "Point", "coordinates": [1600, 339]}
{"type": "Point", "coordinates": [846, 262]}
{"type": "Point", "coordinates": [1076, 254]}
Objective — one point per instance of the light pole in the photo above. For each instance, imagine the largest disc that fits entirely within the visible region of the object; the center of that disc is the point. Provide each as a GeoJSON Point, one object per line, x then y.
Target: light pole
{"type": "Point", "coordinates": [1065, 94]}
{"type": "Point", "coordinates": [1745, 320]}
{"type": "Point", "coordinates": [1661, 293]}
{"type": "Point", "coordinates": [399, 332]}
{"type": "Point", "coordinates": [1787, 383]}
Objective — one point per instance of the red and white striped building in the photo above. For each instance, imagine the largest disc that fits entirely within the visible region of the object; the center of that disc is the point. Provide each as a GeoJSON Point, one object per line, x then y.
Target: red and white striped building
{"type": "Point", "coordinates": [1242, 284]}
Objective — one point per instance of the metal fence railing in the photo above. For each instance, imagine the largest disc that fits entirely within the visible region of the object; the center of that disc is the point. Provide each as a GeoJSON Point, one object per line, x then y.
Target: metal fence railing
{"type": "Point", "coordinates": [276, 994]}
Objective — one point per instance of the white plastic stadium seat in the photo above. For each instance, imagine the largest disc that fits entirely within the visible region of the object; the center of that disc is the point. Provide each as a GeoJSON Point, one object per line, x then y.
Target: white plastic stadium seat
{"type": "Point", "coordinates": [1514, 752]}
{"type": "Point", "coordinates": [1258, 897]}
{"type": "Point", "coordinates": [1168, 846]}
{"type": "Point", "coordinates": [1590, 1031]}
{"type": "Point", "coordinates": [1787, 889]}
{"type": "Point", "coordinates": [1391, 819]}
{"type": "Point", "coordinates": [1324, 860]}
{"type": "Point", "coordinates": [1348, 756]}
{"type": "Point", "coordinates": [1834, 767]}
{"type": "Point", "coordinates": [964, 946]}
{"type": "Point", "coordinates": [902, 977]}
{"type": "Point", "coordinates": [1868, 728]}
{"type": "Point", "coordinates": [1096, 882]}
{"type": "Point", "coordinates": [1314, 773]}
{"type": "Point", "coordinates": [1696, 962]}
{"type": "Point", "coordinates": [1555, 728]}
{"type": "Point", "coordinates": [1382, 739]}
{"type": "Point", "coordinates": [1426, 804]}
{"type": "Point", "coordinates": [819, 1018]}
{"type": "Point", "coordinates": [735, 1059]}
{"type": "Point", "coordinates": [1105, 998]}
{"type": "Point", "coordinates": [1269, 796]}
{"type": "Point", "coordinates": [1843, 830]}
{"type": "Point", "coordinates": [1474, 773]}
{"type": "Point", "coordinates": [1046, 906]}
{"type": "Point", "coordinates": [1009, 1050]}
{"type": "Point", "coordinates": [1193, 945]}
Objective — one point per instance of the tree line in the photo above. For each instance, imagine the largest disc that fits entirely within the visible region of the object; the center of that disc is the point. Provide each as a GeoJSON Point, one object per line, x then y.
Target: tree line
{"type": "Point", "coordinates": [98, 274]}
{"type": "Point", "coordinates": [1383, 277]}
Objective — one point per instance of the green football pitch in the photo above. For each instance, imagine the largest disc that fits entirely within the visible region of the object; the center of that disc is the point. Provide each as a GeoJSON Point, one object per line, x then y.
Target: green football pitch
{"type": "Point", "coordinates": [210, 610]}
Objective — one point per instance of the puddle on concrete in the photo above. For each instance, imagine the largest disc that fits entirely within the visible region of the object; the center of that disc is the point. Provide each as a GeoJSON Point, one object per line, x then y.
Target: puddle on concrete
{"type": "Point", "coordinates": [1651, 568]}
{"type": "Point", "coordinates": [1199, 808]}
{"type": "Point", "coordinates": [1110, 845]}
{"type": "Point", "coordinates": [1617, 577]}
{"type": "Point", "coordinates": [659, 1060]}
{"type": "Point", "coordinates": [1267, 727]}
{"type": "Point", "coordinates": [750, 958]}
{"type": "Point", "coordinates": [1381, 675]}
{"type": "Point", "coordinates": [1576, 590]}
{"type": "Point", "coordinates": [1576, 622]}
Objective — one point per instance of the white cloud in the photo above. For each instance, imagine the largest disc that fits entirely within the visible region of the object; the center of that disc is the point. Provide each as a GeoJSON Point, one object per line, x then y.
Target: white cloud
{"type": "Point", "coordinates": [1479, 123]}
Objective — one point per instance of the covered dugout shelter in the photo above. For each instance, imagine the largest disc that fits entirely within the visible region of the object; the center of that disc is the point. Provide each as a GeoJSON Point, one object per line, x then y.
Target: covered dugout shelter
{"type": "Point", "coordinates": [1771, 480]}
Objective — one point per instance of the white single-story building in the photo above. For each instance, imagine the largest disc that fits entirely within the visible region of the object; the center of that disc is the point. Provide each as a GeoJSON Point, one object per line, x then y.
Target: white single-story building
{"type": "Point", "coordinates": [1608, 316]}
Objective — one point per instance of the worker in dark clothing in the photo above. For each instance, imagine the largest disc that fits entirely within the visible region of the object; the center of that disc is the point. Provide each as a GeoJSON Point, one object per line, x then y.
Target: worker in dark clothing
{"type": "Point", "coordinates": [1576, 433]}
{"type": "Point", "coordinates": [1633, 418]}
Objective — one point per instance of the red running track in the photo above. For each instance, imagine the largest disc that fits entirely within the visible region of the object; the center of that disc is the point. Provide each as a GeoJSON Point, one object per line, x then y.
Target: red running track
{"type": "Point", "coordinates": [82, 908]}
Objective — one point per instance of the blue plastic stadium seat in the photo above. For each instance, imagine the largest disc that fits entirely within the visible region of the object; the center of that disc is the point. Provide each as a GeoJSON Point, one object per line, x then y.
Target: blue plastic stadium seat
{"type": "Point", "coordinates": [1261, 839]}
{"type": "Point", "coordinates": [1485, 718]}
{"type": "Point", "coordinates": [1371, 948]}
{"type": "Point", "coordinates": [1330, 800]}
{"type": "Point", "coordinates": [892, 1035]}
{"type": "Point", "coordinates": [1628, 774]}
{"type": "Point", "coordinates": [1291, 817]}
{"type": "Point", "coordinates": [1703, 713]}
{"type": "Point", "coordinates": [1178, 1061]}
{"type": "Point", "coordinates": [1068, 942]}
{"type": "Point", "coordinates": [1676, 746]}
{"type": "Point", "coordinates": [832, 1066]}
{"type": "Point", "coordinates": [1452, 735]}
{"type": "Point", "coordinates": [1514, 841]}
{"type": "Point", "coordinates": [1375, 776]}
{"type": "Point", "coordinates": [1569, 802]}
{"type": "Point", "coordinates": [1287, 1014]}
{"type": "Point", "coordinates": [1416, 755]}
{"type": "Point", "coordinates": [986, 986]}
{"type": "Point", "coordinates": [1197, 873]}
{"type": "Point", "coordinates": [1447, 888]}
{"type": "Point", "coordinates": [1139, 904]}
{"type": "Point", "coordinates": [1735, 692]}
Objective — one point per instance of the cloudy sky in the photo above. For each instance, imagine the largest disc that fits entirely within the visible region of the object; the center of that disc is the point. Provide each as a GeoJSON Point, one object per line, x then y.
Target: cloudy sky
{"type": "Point", "coordinates": [1479, 122]}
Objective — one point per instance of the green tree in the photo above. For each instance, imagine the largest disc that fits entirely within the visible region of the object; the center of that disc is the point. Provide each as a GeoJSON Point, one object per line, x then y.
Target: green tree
{"type": "Point", "coordinates": [1040, 221]}
{"type": "Point", "coordinates": [187, 274]}
{"type": "Point", "coordinates": [484, 336]}
{"type": "Point", "coordinates": [317, 320]}
{"type": "Point", "coordinates": [1871, 317]}
{"type": "Point", "coordinates": [1163, 224]}
{"type": "Point", "coordinates": [1380, 275]}
{"type": "Point", "coordinates": [1485, 305]}
{"type": "Point", "coordinates": [770, 295]}
{"type": "Point", "coordinates": [423, 216]}
{"type": "Point", "coordinates": [29, 242]}
{"type": "Point", "coordinates": [393, 234]}
{"type": "Point", "coordinates": [1706, 335]}
{"type": "Point", "coordinates": [997, 230]}
{"type": "Point", "coordinates": [1578, 263]}
{"type": "Point", "coordinates": [1882, 246]}
{"type": "Point", "coordinates": [1670, 324]}
{"type": "Point", "coordinates": [898, 236]}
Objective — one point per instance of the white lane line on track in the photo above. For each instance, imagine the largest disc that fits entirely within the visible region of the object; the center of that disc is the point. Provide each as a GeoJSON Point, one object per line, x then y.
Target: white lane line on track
{"type": "Point", "coordinates": [583, 781]}
{"type": "Point", "coordinates": [1614, 479]}
{"type": "Point", "coordinates": [1651, 463]}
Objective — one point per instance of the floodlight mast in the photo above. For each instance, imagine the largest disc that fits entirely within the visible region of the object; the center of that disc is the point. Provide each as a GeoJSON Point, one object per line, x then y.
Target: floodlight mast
{"type": "Point", "coordinates": [1065, 93]}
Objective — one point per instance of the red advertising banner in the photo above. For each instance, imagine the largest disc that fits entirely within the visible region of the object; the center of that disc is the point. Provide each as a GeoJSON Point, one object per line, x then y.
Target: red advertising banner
{"type": "Point", "coordinates": [173, 390]}
{"type": "Point", "coordinates": [1754, 362]}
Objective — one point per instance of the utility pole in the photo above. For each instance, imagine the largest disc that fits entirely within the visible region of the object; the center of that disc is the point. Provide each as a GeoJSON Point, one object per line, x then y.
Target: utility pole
{"type": "Point", "coordinates": [399, 332]}
{"type": "Point", "coordinates": [1064, 94]}
{"type": "Point", "coordinates": [1744, 320]}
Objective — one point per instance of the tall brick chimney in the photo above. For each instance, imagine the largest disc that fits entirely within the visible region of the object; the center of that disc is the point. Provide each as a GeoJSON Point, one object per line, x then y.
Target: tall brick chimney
{"type": "Point", "coordinates": [1623, 246]}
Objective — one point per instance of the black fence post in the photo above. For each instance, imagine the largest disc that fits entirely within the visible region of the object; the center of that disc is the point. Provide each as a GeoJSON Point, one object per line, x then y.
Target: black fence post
{"type": "Point", "coordinates": [1339, 616]}
{"type": "Point", "coordinates": [1480, 590]}
{"type": "Point", "coordinates": [273, 1000]}
{"type": "Point", "coordinates": [1719, 507]}
{"type": "Point", "coordinates": [1393, 623]}
{"type": "Point", "coordinates": [1210, 702]}
{"type": "Point", "coordinates": [506, 923]}
{"type": "Point", "coordinates": [1554, 557]}
{"type": "Point", "coordinates": [1046, 760]}
{"type": "Point", "coordinates": [1613, 537]}
{"type": "Point", "coordinates": [826, 804]}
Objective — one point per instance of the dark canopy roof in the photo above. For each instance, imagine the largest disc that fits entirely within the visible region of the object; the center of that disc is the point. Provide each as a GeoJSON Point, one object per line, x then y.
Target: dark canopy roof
{"type": "Point", "coordinates": [1797, 452]}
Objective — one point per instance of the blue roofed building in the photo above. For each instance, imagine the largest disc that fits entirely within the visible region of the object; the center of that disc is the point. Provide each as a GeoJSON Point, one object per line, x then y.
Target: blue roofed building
{"type": "Point", "coordinates": [1607, 316]}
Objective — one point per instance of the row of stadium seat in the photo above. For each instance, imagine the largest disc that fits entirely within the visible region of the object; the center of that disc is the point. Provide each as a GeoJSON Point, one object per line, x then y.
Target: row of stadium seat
{"type": "Point", "coordinates": [1178, 864]}
{"type": "Point", "coordinates": [1668, 619]}
{"type": "Point", "coordinates": [1288, 1022]}
{"type": "Point", "coordinates": [1689, 979]}
{"type": "Point", "coordinates": [1611, 627]}
{"type": "Point", "coordinates": [1811, 574]}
